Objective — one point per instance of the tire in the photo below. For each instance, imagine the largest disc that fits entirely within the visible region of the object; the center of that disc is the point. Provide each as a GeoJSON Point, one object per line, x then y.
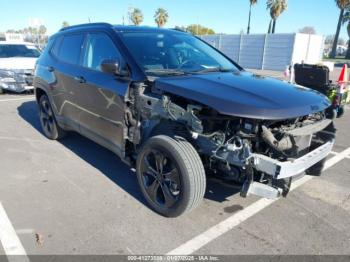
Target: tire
{"type": "Point", "coordinates": [48, 121]}
{"type": "Point", "coordinates": [316, 170]}
{"type": "Point", "coordinates": [175, 172]}
{"type": "Point", "coordinates": [331, 113]}
{"type": "Point", "coordinates": [341, 111]}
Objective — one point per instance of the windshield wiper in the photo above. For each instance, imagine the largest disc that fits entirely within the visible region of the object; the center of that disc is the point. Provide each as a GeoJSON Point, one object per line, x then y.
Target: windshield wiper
{"type": "Point", "coordinates": [164, 71]}
{"type": "Point", "coordinates": [212, 69]}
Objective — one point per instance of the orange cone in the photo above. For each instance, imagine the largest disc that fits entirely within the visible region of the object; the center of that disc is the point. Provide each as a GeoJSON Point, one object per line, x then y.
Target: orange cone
{"type": "Point", "coordinates": [344, 74]}
{"type": "Point", "coordinates": [343, 79]}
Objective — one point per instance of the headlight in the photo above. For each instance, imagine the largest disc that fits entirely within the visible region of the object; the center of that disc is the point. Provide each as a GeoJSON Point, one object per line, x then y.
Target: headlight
{"type": "Point", "coordinates": [4, 73]}
{"type": "Point", "coordinates": [6, 77]}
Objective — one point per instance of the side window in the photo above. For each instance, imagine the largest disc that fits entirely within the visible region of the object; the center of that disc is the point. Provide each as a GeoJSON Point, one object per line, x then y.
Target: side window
{"type": "Point", "coordinates": [56, 45]}
{"type": "Point", "coordinates": [70, 48]}
{"type": "Point", "coordinates": [98, 48]}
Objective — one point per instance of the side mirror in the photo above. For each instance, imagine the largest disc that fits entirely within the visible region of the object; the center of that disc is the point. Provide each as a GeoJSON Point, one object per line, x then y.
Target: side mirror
{"type": "Point", "coordinates": [110, 66]}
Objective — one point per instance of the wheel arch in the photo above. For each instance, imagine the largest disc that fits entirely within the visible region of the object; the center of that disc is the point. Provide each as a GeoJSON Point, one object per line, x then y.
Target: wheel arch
{"type": "Point", "coordinates": [166, 127]}
{"type": "Point", "coordinates": [39, 92]}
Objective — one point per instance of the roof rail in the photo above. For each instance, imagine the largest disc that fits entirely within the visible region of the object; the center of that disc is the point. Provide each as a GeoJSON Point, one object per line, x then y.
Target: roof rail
{"type": "Point", "coordinates": [179, 29]}
{"type": "Point", "coordinates": [85, 25]}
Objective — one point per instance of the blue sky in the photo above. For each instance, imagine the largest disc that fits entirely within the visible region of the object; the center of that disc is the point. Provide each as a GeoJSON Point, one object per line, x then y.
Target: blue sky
{"type": "Point", "coordinates": [224, 16]}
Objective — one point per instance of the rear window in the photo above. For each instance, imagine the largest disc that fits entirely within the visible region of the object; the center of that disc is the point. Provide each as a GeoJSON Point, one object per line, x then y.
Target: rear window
{"type": "Point", "coordinates": [70, 48]}
{"type": "Point", "coordinates": [9, 50]}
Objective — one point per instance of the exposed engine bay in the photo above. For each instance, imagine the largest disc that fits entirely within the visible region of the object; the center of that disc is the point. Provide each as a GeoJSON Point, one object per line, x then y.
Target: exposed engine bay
{"type": "Point", "coordinates": [261, 155]}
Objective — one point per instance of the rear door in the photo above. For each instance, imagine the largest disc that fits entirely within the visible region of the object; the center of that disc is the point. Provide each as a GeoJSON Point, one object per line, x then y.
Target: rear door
{"type": "Point", "coordinates": [67, 69]}
{"type": "Point", "coordinates": [104, 93]}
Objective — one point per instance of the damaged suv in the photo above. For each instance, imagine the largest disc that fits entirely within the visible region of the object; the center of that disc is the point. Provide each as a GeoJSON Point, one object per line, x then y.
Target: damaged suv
{"type": "Point", "coordinates": [177, 109]}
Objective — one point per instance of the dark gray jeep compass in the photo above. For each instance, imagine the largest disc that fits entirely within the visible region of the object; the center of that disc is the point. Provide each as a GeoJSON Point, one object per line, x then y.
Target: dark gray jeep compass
{"type": "Point", "coordinates": [177, 109]}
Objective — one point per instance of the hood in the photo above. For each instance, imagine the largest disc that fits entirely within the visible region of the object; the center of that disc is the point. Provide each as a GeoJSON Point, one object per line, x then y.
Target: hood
{"type": "Point", "coordinates": [17, 63]}
{"type": "Point", "coordinates": [245, 94]}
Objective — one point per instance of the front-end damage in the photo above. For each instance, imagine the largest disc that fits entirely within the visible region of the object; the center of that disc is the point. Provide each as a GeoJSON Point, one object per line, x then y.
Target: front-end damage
{"type": "Point", "coordinates": [261, 155]}
{"type": "Point", "coordinates": [16, 80]}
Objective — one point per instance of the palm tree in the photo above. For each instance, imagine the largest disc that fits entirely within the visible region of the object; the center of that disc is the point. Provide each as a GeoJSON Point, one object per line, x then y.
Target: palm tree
{"type": "Point", "coordinates": [252, 2]}
{"type": "Point", "coordinates": [346, 19]}
{"type": "Point", "coordinates": [277, 7]}
{"type": "Point", "coordinates": [136, 16]}
{"type": "Point", "coordinates": [41, 33]}
{"type": "Point", "coordinates": [161, 17]}
{"type": "Point", "coordinates": [65, 24]}
{"type": "Point", "coordinates": [342, 4]}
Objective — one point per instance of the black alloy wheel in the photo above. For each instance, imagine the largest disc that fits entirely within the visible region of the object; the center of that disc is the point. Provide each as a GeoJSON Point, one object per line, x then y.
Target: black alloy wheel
{"type": "Point", "coordinates": [160, 178]}
{"type": "Point", "coordinates": [171, 175]}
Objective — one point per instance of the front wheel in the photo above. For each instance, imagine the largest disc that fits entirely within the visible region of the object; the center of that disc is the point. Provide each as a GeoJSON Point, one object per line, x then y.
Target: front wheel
{"type": "Point", "coordinates": [328, 134]}
{"type": "Point", "coordinates": [341, 111]}
{"type": "Point", "coordinates": [171, 175]}
{"type": "Point", "coordinates": [317, 169]}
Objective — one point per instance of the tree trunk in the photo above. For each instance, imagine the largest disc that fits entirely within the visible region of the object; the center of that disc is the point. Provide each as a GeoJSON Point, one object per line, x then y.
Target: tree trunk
{"type": "Point", "coordinates": [336, 37]}
{"type": "Point", "coordinates": [250, 14]}
{"type": "Point", "coordinates": [270, 24]}
{"type": "Point", "coordinates": [274, 26]}
{"type": "Point", "coordinates": [347, 56]}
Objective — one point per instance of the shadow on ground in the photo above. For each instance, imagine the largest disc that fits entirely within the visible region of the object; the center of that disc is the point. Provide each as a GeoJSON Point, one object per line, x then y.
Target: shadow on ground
{"type": "Point", "coordinates": [109, 164]}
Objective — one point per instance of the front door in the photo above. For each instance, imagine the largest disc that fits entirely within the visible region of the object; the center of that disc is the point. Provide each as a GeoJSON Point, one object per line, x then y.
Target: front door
{"type": "Point", "coordinates": [103, 98]}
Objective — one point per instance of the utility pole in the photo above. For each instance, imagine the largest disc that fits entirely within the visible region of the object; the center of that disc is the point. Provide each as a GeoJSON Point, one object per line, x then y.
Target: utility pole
{"type": "Point", "coordinates": [130, 11]}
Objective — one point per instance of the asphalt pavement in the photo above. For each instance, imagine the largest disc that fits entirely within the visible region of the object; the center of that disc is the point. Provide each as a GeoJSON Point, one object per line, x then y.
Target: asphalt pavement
{"type": "Point", "coordinates": [75, 197]}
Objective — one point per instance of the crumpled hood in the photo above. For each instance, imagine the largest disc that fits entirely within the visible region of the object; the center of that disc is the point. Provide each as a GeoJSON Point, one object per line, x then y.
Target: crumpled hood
{"type": "Point", "coordinates": [247, 95]}
{"type": "Point", "coordinates": [17, 63]}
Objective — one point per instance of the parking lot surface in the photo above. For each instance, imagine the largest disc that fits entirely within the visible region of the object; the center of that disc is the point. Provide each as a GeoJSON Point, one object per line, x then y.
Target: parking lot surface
{"type": "Point", "coordinates": [75, 197]}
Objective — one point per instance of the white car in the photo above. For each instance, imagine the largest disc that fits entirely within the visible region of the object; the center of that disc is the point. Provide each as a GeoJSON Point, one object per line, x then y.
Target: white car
{"type": "Point", "coordinates": [17, 62]}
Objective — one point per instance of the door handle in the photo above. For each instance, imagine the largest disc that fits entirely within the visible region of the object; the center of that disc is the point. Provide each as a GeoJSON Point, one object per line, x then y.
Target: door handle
{"type": "Point", "coordinates": [50, 69]}
{"type": "Point", "coordinates": [80, 79]}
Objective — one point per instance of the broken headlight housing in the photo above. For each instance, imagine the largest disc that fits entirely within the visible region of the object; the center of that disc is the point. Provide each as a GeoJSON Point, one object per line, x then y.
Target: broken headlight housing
{"type": "Point", "coordinates": [7, 77]}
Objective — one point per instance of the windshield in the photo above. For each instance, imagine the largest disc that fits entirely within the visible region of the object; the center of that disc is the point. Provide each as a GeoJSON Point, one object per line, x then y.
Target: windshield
{"type": "Point", "coordinates": [7, 51]}
{"type": "Point", "coordinates": [174, 53]}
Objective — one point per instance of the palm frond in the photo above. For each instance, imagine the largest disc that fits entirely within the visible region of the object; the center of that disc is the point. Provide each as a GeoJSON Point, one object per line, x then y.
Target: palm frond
{"type": "Point", "coordinates": [277, 7]}
{"type": "Point", "coordinates": [161, 17]}
{"type": "Point", "coordinates": [346, 18]}
{"type": "Point", "coordinates": [137, 16]}
{"type": "Point", "coordinates": [342, 4]}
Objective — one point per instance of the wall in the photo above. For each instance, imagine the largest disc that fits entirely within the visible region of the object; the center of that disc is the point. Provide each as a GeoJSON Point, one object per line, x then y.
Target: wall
{"type": "Point", "coordinates": [269, 51]}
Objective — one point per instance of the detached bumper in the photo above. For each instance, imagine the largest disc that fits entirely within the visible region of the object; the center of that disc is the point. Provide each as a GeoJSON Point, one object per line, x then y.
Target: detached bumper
{"type": "Point", "coordinates": [279, 170]}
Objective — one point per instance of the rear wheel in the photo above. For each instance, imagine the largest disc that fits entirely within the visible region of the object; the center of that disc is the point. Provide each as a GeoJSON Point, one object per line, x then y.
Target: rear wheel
{"type": "Point", "coordinates": [171, 175]}
{"type": "Point", "coordinates": [47, 119]}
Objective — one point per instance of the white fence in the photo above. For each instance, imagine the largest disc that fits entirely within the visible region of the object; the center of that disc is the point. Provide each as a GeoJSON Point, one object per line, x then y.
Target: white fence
{"type": "Point", "coordinates": [269, 51]}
